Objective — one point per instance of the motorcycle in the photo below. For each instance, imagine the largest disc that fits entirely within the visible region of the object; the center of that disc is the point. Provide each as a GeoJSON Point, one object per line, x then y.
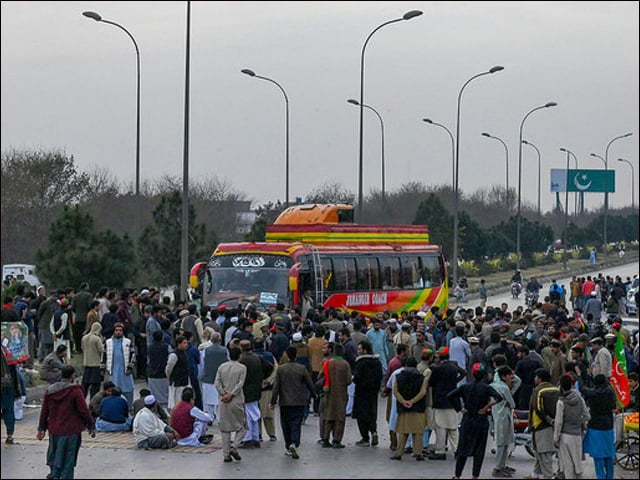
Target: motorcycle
{"type": "Point", "coordinates": [531, 298]}
{"type": "Point", "coordinates": [524, 436]}
{"type": "Point", "coordinates": [516, 288]}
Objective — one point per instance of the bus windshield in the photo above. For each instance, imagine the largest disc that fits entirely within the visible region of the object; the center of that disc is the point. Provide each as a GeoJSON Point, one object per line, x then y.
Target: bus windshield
{"type": "Point", "coordinates": [238, 277]}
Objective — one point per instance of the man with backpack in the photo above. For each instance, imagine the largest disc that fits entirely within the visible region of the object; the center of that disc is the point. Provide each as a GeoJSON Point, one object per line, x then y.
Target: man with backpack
{"type": "Point", "coordinates": [542, 411]}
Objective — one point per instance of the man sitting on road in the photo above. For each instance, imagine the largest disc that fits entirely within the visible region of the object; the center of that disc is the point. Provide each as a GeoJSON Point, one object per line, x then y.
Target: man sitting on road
{"type": "Point", "coordinates": [150, 431]}
{"type": "Point", "coordinates": [190, 422]}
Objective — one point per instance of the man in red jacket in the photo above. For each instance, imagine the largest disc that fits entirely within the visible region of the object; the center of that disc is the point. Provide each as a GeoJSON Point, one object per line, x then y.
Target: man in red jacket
{"type": "Point", "coordinates": [65, 414]}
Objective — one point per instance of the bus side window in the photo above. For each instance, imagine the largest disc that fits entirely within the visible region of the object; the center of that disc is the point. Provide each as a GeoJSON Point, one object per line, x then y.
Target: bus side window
{"type": "Point", "coordinates": [390, 269]}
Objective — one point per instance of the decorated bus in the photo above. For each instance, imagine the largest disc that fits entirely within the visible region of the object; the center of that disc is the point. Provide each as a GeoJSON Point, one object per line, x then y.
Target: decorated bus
{"type": "Point", "coordinates": [318, 250]}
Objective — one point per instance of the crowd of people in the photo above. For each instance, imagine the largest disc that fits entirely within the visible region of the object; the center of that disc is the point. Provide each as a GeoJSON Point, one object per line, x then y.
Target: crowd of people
{"type": "Point", "coordinates": [458, 375]}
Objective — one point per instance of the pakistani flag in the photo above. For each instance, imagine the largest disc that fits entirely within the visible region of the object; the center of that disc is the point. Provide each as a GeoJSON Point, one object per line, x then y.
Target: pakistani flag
{"type": "Point", "coordinates": [619, 379]}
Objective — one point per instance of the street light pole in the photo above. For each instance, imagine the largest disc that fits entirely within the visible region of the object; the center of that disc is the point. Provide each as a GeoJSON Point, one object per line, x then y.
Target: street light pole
{"type": "Point", "coordinates": [457, 171]}
{"type": "Point", "coordinates": [566, 212]}
{"type": "Point", "coordinates": [251, 73]}
{"type": "Point", "coordinates": [407, 16]}
{"type": "Point", "coordinates": [98, 18]}
{"type": "Point", "coordinates": [355, 102]}
{"type": "Point", "coordinates": [575, 204]}
{"type": "Point", "coordinates": [546, 105]}
{"type": "Point", "coordinates": [184, 243]}
{"type": "Point", "coordinates": [453, 150]}
{"type": "Point", "coordinates": [606, 194]}
{"type": "Point", "coordinates": [539, 170]}
{"type": "Point", "coordinates": [633, 180]}
{"type": "Point", "coordinates": [506, 151]}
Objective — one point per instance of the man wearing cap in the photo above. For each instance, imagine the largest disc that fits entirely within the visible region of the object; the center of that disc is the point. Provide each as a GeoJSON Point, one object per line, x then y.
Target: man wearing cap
{"type": "Point", "coordinates": [228, 333]}
{"type": "Point", "coordinates": [444, 379]}
{"type": "Point", "coordinates": [252, 389]}
{"type": "Point", "coordinates": [151, 432]}
{"type": "Point", "coordinates": [593, 306]}
{"type": "Point", "coordinates": [602, 360]}
{"type": "Point", "coordinates": [478, 355]}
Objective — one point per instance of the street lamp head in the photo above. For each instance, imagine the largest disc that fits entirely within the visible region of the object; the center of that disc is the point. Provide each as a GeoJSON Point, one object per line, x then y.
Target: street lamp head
{"type": "Point", "coordinates": [496, 69]}
{"type": "Point", "coordinates": [246, 71]}
{"type": "Point", "coordinates": [92, 15]}
{"type": "Point", "coordinates": [353, 101]}
{"type": "Point", "coordinates": [627, 134]}
{"type": "Point", "coordinates": [562, 149]}
{"type": "Point", "coordinates": [550, 104]}
{"type": "Point", "coordinates": [485, 134]}
{"type": "Point", "coordinates": [411, 14]}
{"type": "Point", "coordinates": [525, 142]}
{"type": "Point", "coordinates": [428, 120]}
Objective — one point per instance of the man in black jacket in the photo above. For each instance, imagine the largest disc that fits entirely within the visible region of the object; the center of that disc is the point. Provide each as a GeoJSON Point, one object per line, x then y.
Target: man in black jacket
{"type": "Point", "coordinates": [367, 376]}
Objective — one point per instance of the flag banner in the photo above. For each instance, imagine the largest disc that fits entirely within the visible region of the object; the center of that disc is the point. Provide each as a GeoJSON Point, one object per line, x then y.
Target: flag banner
{"type": "Point", "coordinates": [572, 180]}
{"type": "Point", "coordinates": [619, 379]}
{"type": "Point", "coordinates": [15, 342]}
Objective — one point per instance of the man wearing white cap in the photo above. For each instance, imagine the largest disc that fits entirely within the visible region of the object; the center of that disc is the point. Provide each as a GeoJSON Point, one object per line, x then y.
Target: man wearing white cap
{"type": "Point", "coordinates": [228, 334]}
{"type": "Point", "coordinates": [151, 432]}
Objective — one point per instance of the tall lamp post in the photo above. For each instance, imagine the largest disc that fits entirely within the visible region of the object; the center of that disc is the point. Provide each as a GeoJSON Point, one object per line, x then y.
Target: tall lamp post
{"type": "Point", "coordinates": [355, 102]}
{"type": "Point", "coordinates": [453, 149]}
{"type": "Point", "coordinates": [546, 105]}
{"type": "Point", "coordinates": [98, 18]}
{"type": "Point", "coordinates": [575, 205]}
{"type": "Point", "coordinates": [566, 211]}
{"type": "Point", "coordinates": [539, 169]}
{"type": "Point", "coordinates": [633, 180]}
{"type": "Point", "coordinates": [251, 73]}
{"type": "Point", "coordinates": [606, 194]}
{"type": "Point", "coordinates": [407, 16]}
{"type": "Point", "coordinates": [457, 170]}
{"type": "Point", "coordinates": [600, 158]}
{"type": "Point", "coordinates": [506, 152]}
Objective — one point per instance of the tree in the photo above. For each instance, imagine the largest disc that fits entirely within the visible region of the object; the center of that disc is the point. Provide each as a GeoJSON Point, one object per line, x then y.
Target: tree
{"type": "Point", "coordinates": [435, 216]}
{"type": "Point", "coordinates": [266, 214]}
{"type": "Point", "coordinates": [76, 253]}
{"type": "Point", "coordinates": [330, 192]}
{"type": "Point", "coordinates": [35, 186]}
{"type": "Point", "coordinates": [161, 242]}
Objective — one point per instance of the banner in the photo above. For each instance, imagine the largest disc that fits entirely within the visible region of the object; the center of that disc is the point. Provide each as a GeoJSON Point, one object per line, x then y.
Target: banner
{"type": "Point", "coordinates": [619, 379]}
{"type": "Point", "coordinates": [582, 180]}
{"type": "Point", "coordinates": [15, 342]}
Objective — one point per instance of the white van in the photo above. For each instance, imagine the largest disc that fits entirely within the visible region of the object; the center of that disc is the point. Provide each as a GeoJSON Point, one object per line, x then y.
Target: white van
{"type": "Point", "coordinates": [20, 272]}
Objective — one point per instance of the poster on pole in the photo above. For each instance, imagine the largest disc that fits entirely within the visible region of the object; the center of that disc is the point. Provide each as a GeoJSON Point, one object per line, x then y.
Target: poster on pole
{"type": "Point", "coordinates": [572, 180]}
{"type": "Point", "coordinates": [15, 342]}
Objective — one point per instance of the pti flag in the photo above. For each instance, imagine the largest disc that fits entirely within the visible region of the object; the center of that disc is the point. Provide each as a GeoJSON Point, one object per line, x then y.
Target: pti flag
{"type": "Point", "coordinates": [619, 378]}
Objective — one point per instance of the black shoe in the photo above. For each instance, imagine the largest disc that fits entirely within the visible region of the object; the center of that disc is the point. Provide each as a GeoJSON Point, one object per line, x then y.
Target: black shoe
{"type": "Point", "coordinates": [205, 439]}
{"type": "Point", "coordinates": [337, 445]}
{"type": "Point", "coordinates": [509, 469]}
{"type": "Point", "coordinates": [408, 450]}
{"type": "Point", "coordinates": [374, 439]}
{"type": "Point", "coordinates": [234, 453]}
{"type": "Point", "coordinates": [272, 438]}
{"type": "Point", "coordinates": [395, 457]}
{"type": "Point", "coordinates": [437, 456]}
{"type": "Point", "coordinates": [248, 444]}
{"type": "Point", "coordinates": [326, 444]}
{"type": "Point", "coordinates": [362, 443]}
{"type": "Point", "coordinates": [419, 458]}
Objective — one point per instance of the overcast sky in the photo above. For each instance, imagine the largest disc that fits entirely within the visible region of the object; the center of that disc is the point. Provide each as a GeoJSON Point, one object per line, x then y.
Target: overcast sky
{"type": "Point", "coordinates": [68, 83]}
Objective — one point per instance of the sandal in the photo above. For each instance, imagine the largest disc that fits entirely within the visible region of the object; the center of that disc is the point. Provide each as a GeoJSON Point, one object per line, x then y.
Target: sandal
{"type": "Point", "coordinates": [9, 441]}
{"type": "Point", "coordinates": [227, 459]}
{"type": "Point", "coordinates": [234, 453]}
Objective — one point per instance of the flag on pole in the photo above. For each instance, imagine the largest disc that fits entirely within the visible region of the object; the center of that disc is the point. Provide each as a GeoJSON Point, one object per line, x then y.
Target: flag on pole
{"type": "Point", "coordinates": [619, 379]}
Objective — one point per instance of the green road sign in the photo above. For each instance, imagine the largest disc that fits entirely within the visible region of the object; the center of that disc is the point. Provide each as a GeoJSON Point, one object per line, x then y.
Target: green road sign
{"type": "Point", "coordinates": [583, 180]}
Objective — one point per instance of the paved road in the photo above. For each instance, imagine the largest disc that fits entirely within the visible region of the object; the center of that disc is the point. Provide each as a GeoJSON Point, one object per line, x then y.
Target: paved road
{"type": "Point", "coordinates": [28, 460]}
